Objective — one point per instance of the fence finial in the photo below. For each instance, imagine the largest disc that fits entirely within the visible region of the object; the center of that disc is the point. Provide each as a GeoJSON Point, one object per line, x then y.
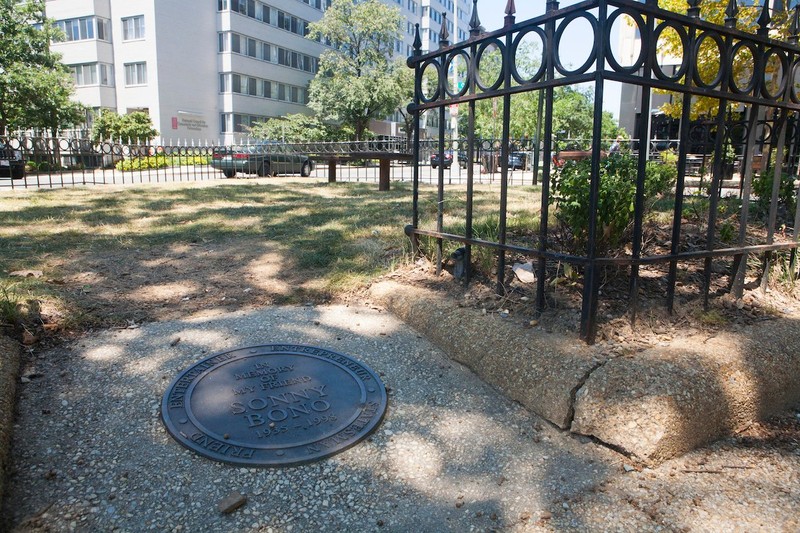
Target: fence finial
{"type": "Point", "coordinates": [417, 41]}
{"type": "Point", "coordinates": [795, 26]}
{"type": "Point", "coordinates": [475, 27]}
{"type": "Point", "coordinates": [551, 5]}
{"type": "Point", "coordinates": [730, 14]}
{"type": "Point", "coordinates": [694, 8]}
{"type": "Point", "coordinates": [444, 35]}
{"type": "Point", "coordinates": [764, 19]}
{"type": "Point", "coordinates": [510, 10]}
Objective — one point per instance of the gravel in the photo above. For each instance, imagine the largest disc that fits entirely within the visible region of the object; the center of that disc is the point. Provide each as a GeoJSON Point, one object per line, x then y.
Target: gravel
{"type": "Point", "coordinates": [90, 452]}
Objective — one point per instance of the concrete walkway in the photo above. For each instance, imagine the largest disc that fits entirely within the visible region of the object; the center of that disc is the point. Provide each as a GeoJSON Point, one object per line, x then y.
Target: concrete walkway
{"type": "Point", "coordinates": [90, 452]}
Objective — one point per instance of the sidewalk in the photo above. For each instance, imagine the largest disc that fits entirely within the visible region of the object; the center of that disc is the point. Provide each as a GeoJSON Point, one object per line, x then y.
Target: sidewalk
{"type": "Point", "coordinates": [90, 452]}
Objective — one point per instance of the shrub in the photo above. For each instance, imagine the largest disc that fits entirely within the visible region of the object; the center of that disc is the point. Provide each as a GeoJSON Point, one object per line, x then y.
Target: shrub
{"type": "Point", "coordinates": [615, 209]}
{"type": "Point", "coordinates": [787, 200]}
{"type": "Point", "coordinates": [143, 163]}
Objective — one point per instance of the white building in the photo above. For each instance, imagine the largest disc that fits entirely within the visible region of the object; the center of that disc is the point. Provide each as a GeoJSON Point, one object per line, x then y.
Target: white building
{"type": "Point", "coordinates": [206, 69]}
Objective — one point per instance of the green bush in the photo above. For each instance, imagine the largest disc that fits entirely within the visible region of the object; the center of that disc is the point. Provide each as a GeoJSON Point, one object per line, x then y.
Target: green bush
{"type": "Point", "coordinates": [787, 199]}
{"type": "Point", "coordinates": [570, 193]}
{"type": "Point", "coordinates": [143, 163]}
{"type": "Point", "coordinates": [161, 161]}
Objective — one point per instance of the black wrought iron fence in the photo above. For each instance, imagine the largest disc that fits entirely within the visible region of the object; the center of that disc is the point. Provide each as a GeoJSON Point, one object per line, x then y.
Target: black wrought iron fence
{"type": "Point", "coordinates": [766, 95]}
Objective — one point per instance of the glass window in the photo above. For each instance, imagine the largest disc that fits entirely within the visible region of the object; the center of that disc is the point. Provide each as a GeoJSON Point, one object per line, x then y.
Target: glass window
{"type": "Point", "coordinates": [103, 31]}
{"type": "Point", "coordinates": [236, 43]}
{"type": "Point", "coordinates": [136, 73]}
{"type": "Point", "coordinates": [237, 83]}
{"type": "Point", "coordinates": [251, 47]}
{"type": "Point", "coordinates": [133, 28]}
{"type": "Point", "coordinates": [82, 29]}
{"type": "Point", "coordinates": [106, 74]}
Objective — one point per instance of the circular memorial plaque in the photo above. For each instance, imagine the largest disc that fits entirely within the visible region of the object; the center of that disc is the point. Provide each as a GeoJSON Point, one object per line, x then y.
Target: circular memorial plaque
{"type": "Point", "coordinates": [273, 405]}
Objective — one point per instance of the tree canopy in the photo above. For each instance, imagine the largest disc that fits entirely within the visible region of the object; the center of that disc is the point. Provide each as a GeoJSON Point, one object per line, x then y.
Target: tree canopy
{"type": "Point", "coordinates": [708, 57]}
{"type": "Point", "coordinates": [133, 127]}
{"type": "Point", "coordinates": [299, 128]}
{"type": "Point", "coordinates": [356, 82]}
{"type": "Point", "coordinates": [35, 88]}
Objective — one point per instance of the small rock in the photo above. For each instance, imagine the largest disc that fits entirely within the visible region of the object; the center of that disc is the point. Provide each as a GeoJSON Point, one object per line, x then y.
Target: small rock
{"type": "Point", "coordinates": [628, 468]}
{"type": "Point", "coordinates": [175, 341]}
{"type": "Point", "coordinates": [28, 338]}
{"type": "Point", "coordinates": [546, 515]}
{"type": "Point", "coordinates": [524, 272]}
{"type": "Point", "coordinates": [501, 480]}
{"type": "Point", "coordinates": [525, 516]}
{"type": "Point", "coordinates": [231, 502]}
{"type": "Point", "coordinates": [26, 274]}
{"type": "Point", "coordinates": [23, 379]}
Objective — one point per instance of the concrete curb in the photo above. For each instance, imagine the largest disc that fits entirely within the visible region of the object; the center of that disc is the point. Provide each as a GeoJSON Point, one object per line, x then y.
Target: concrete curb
{"type": "Point", "coordinates": [541, 371]}
{"type": "Point", "coordinates": [653, 405]}
{"type": "Point", "coordinates": [9, 371]}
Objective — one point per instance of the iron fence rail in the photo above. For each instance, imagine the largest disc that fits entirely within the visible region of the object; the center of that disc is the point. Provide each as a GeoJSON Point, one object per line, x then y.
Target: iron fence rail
{"type": "Point", "coordinates": [770, 98]}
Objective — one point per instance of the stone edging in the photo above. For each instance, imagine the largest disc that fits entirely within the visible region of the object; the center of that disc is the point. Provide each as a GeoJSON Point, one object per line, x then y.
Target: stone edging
{"type": "Point", "coordinates": [9, 372]}
{"type": "Point", "coordinates": [653, 405]}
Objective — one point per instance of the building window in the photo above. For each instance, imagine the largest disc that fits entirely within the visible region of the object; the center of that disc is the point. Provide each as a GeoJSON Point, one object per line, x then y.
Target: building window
{"type": "Point", "coordinates": [84, 28]}
{"type": "Point", "coordinates": [133, 28]}
{"type": "Point", "coordinates": [84, 75]}
{"type": "Point", "coordinates": [93, 74]}
{"type": "Point", "coordinates": [135, 74]}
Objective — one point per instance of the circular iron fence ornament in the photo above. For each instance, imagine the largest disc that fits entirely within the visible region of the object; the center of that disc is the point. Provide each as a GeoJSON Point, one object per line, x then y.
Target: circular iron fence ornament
{"type": "Point", "coordinates": [273, 405]}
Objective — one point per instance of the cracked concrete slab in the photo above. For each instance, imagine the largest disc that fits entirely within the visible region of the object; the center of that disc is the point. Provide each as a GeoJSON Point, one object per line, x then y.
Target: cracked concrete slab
{"type": "Point", "coordinates": [652, 405]}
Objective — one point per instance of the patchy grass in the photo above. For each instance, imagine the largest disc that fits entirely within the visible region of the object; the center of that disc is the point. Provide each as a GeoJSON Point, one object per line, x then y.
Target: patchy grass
{"type": "Point", "coordinates": [116, 256]}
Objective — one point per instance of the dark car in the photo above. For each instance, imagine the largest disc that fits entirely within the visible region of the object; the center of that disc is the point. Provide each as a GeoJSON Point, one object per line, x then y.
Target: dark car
{"type": "Point", "coordinates": [268, 158]}
{"type": "Point", "coordinates": [448, 159]}
{"type": "Point", "coordinates": [518, 161]}
{"type": "Point", "coordinates": [12, 164]}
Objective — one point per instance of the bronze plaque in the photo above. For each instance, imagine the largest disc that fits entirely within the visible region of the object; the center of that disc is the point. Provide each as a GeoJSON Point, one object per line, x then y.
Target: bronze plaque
{"type": "Point", "coordinates": [273, 405]}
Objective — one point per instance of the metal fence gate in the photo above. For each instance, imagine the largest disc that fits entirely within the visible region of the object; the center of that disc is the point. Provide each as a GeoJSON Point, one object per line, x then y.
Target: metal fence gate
{"type": "Point", "coordinates": [769, 98]}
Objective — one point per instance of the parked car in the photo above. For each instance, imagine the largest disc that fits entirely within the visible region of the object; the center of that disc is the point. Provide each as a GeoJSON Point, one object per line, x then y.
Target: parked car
{"type": "Point", "coordinates": [267, 158]}
{"type": "Point", "coordinates": [448, 159]}
{"type": "Point", "coordinates": [12, 164]}
{"type": "Point", "coordinates": [518, 161]}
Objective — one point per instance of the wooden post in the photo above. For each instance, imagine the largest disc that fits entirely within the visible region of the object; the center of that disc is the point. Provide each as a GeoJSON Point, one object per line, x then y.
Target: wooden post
{"type": "Point", "coordinates": [383, 180]}
{"type": "Point", "coordinates": [331, 171]}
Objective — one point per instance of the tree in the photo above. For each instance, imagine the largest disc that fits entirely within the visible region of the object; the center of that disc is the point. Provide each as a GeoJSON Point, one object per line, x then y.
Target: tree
{"type": "Point", "coordinates": [133, 127]}
{"type": "Point", "coordinates": [708, 58]}
{"type": "Point", "coordinates": [356, 82]}
{"type": "Point", "coordinates": [35, 88]}
{"type": "Point", "coordinates": [52, 109]}
{"type": "Point", "coordinates": [298, 128]}
{"type": "Point", "coordinates": [405, 82]}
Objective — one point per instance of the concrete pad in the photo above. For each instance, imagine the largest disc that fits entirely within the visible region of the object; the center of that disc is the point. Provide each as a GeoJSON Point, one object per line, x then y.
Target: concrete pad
{"type": "Point", "coordinates": [452, 454]}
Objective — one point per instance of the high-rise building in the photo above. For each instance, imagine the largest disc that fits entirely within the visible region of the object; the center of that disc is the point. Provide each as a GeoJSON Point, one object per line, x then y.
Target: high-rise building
{"type": "Point", "coordinates": [206, 69]}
